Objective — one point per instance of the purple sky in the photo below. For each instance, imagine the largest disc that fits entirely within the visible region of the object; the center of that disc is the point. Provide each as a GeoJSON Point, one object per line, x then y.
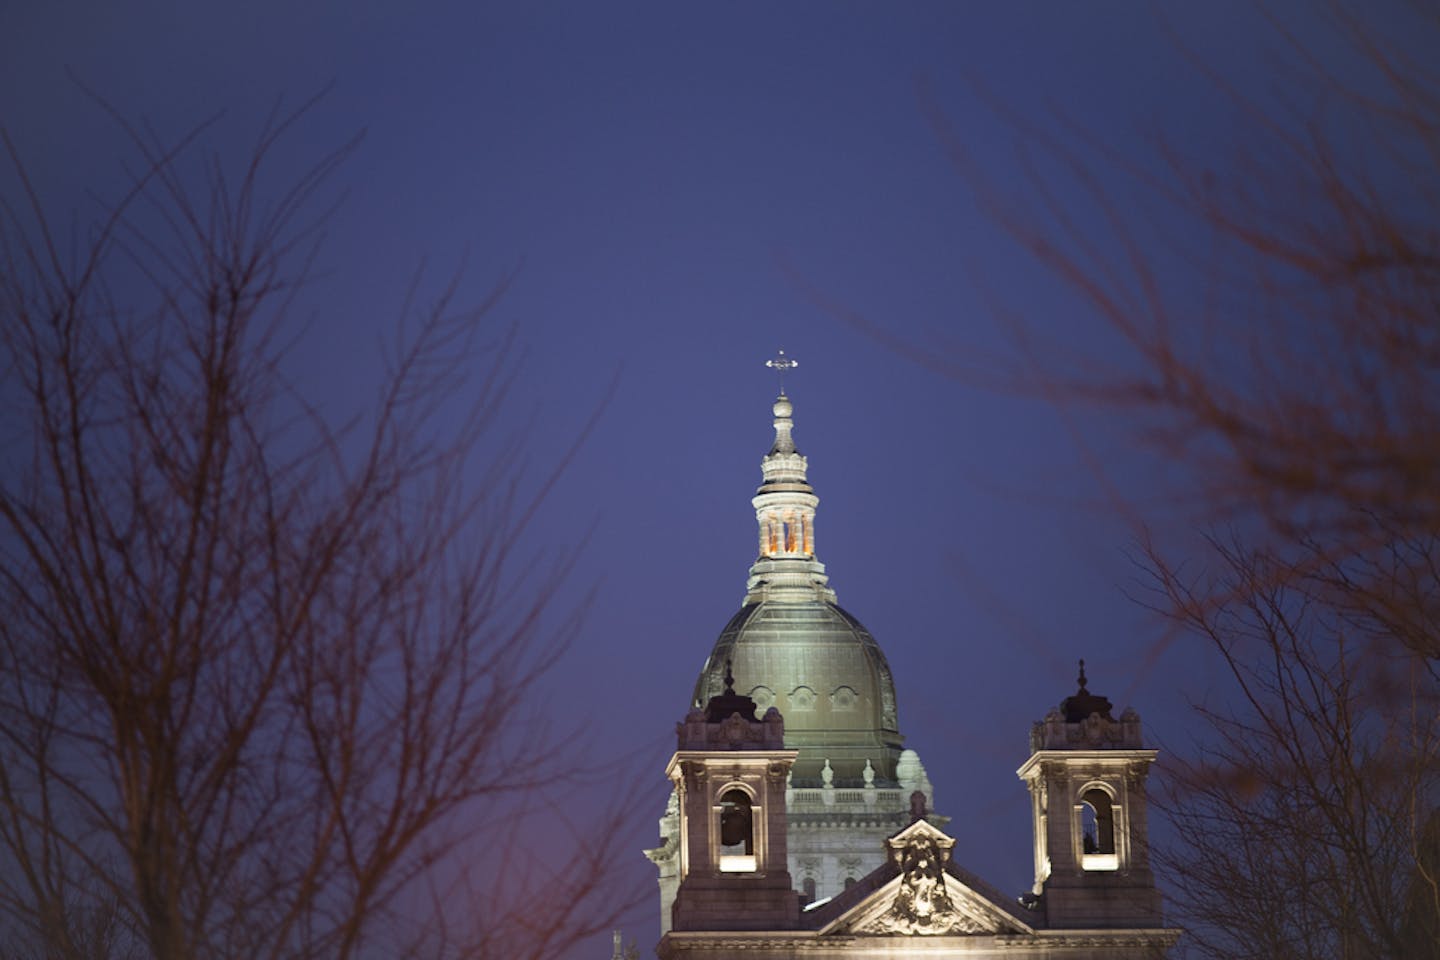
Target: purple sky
{"type": "Point", "coordinates": [653, 169]}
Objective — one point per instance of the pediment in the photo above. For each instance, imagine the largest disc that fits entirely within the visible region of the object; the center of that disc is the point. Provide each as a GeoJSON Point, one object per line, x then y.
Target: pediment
{"type": "Point", "coordinates": [925, 908]}
{"type": "Point", "coordinates": [924, 898]}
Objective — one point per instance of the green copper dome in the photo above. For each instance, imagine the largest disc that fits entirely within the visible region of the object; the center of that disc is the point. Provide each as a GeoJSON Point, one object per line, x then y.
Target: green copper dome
{"type": "Point", "coordinates": [791, 646]}
{"type": "Point", "coordinates": [827, 676]}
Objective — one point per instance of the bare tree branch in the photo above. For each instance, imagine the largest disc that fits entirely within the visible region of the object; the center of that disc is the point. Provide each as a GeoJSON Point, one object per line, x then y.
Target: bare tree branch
{"type": "Point", "coordinates": [258, 673]}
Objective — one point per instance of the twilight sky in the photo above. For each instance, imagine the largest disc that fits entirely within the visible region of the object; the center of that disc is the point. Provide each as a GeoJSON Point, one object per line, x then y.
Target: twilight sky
{"type": "Point", "coordinates": [679, 185]}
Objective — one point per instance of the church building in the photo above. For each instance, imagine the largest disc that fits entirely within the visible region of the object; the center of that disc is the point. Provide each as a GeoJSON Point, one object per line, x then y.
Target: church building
{"type": "Point", "coordinates": [799, 825]}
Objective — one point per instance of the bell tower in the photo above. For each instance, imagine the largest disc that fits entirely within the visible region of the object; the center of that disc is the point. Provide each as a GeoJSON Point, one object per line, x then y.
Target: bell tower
{"type": "Point", "coordinates": [1086, 775]}
{"type": "Point", "coordinates": [729, 772]}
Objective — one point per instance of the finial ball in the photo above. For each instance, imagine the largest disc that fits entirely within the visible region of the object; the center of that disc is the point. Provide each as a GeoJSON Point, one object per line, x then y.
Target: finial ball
{"type": "Point", "coordinates": [782, 407]}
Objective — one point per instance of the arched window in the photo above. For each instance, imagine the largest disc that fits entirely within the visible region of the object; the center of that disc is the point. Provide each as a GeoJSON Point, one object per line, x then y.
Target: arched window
{"type": "Point", "coordinates": [737, 833]}
{"type": "Point", "coordinates": [1097, 831]}
{"type": "Point", "coordinates": [809, 888]}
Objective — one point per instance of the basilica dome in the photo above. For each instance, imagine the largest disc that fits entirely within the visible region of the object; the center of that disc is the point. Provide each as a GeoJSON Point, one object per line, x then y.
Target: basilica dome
{"type": "Point", "coordinates": [823, 670]}
{"type": "Point", "coordinates": [791, 646]}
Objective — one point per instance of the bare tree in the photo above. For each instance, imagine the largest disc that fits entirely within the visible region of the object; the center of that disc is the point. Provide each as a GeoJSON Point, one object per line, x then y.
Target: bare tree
{"type": "Point", "coordinates": [1281, 305]}
{"type": "Point", "coordinates": [261, 677]}
{"type": "Point", "coordinates": [1301, 815]}
{"type": "Point", "coordinates": [1279, 300]}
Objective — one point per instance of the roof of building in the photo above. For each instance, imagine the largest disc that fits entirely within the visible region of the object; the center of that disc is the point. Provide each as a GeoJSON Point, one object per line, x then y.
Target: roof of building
{"type": "Point", "coordinates": [793, 647]}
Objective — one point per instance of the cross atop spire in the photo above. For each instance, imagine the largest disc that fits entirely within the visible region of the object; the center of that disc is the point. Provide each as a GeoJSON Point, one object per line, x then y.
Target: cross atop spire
{"type": "Point", "coordinates": [781, 364]}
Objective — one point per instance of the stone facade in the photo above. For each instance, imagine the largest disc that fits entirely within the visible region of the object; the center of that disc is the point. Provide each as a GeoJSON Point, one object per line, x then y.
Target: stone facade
{"type": "Point", "coordinates": [1094, 895]}
{"type": "Point", "coordinates": [799, 826]}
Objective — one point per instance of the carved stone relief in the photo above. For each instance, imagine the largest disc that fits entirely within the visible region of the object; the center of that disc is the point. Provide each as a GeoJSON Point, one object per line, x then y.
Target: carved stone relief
{"type": "Point", "coordinates": [923, 905]}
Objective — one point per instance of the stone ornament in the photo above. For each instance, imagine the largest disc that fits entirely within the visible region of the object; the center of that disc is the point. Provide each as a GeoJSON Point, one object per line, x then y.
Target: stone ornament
{"type": "Point", "coordinates": [922, 905]}
{"type": "Point", "coordinates": [925, 900]}
{"type": "Point", "coordinates": [735, 730]}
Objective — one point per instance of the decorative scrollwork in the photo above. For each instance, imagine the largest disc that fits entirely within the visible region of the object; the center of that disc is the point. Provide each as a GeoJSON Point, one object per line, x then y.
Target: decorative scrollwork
{"type": "Point", "coordinates": [923, 906]}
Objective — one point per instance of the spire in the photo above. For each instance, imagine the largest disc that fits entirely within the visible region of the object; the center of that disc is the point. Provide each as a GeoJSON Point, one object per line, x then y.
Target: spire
{"type": "Point", "coordinates": [786, 568]}
{"type": "Point", "coordinates": [784, 441]}
{"type": "Point", "coordinates": [1080, 706]}
{"type": "Point", "coordinates": [720, 708]}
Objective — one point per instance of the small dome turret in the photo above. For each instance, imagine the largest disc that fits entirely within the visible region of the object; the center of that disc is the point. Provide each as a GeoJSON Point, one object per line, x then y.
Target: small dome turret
{"type": "Point", "coordinates": [1083, 703]}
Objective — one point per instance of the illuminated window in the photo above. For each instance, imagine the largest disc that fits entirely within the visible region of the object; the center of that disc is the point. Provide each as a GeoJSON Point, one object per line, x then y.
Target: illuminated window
{"type": "Point", "coordinates": [1097, 831]}
{"type": "Point", "coordinates": [737, 833]}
